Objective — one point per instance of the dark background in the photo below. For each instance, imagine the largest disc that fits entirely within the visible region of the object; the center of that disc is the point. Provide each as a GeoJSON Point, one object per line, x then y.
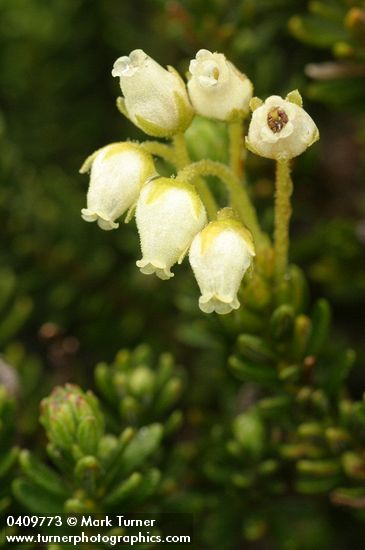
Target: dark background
{"type": "Point", "coordinates": [71, 294]}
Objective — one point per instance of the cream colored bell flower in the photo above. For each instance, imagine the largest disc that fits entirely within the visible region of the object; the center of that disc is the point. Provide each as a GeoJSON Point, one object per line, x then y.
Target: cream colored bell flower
{"type": "Point", "coordinates": [280, 128]}
{"type": "Point", "coordinates": [219, 256]}
{"type": "Point", "coordinates": [169, 214]}
{"type": "Point", "coordinates": [217, 89]}
{"type": "Point", "coordinates": [155, 99]}
{"type": "Point", "coordinates": [117, 173]}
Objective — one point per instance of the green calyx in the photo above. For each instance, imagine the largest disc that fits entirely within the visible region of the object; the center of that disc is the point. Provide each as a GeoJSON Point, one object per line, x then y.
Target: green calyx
{"type": "Point", "coordinates": [227, 219]}
{"type": "Point", "coordinates": [236, 115]}
{"type": "Point", "coordinates": [184, 117]}
{"type": "Point", "coordinates": [117, 149]}
{"type": "Point", "coordinates": [295, 97]}
{"type": "Point", "coordinates": [160, 186]}
{"type": "Point", "coordinates": [255, 103]}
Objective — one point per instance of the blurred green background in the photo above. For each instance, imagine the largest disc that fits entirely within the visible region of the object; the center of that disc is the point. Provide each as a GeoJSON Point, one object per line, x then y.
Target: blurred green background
{"type": "Point", "coordinates": [70, 294]}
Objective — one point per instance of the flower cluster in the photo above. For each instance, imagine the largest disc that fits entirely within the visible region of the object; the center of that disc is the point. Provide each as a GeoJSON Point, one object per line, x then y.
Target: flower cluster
{"type": "Point", "coordinates": [172, 213]}
{"type": "Point", "coordinates": [157, 101]}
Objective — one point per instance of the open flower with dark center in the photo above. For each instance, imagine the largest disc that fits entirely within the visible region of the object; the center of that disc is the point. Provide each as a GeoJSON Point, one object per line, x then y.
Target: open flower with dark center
{"type": "Point", "coordinates": [280, 128]}
{"type": "Point", "coordinates": [277, 119]}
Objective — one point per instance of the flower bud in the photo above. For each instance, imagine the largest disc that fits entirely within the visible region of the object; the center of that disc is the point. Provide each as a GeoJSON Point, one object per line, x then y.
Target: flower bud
{"type": "Point", "coordinates": [280, 129]}
{"type": "Point", "coordinates": [141, 381]}
{"type": "Point", "coordinates": [219, 257]}
{"type": "Point", "coordinates": [169, 214]}
{"type": "Point", "coordinates": [118, 172]}
{"type": "Point", "coordinates": [155, 99]}
{"type": "Point", "coordinates": [69, 415]}
{"type": "Point", "coordinates": [217, 89]}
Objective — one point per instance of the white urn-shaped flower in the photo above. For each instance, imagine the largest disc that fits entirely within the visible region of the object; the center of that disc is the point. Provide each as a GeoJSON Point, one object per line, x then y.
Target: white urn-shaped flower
{"type": "Point", "coordinates": [217, 89]}
{"type": "Point", "coordinates": [169, 214]}
{"type": "Point", "coordinates": [155, 99]}
{"type": "Point", "coordinates": [219, 256]}
{"type": "Point", "coordinates": [117, 173]}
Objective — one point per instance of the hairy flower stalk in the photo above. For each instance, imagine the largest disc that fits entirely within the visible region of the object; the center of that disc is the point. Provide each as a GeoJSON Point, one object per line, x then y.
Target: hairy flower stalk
{"type": "Point", "coordinates": [239, 196]}
{"type": "Point", "coordinates": [236, 148]}
{"type": "Point", "coordinates": [284, 189]}
{"type": "Point", "coordinates": [182, 160]}
{"type": "Point", "coordinates": [280, 129]}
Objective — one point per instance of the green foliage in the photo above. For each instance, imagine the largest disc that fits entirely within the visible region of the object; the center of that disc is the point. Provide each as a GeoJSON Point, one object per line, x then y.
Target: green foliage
{"type": "Point", "coordinates": [337, 25]}
{"type": "Point", "coordinates": [94, 471]}
{"type": "Point", "coordinates": [291, 427]}
{"type": "Point", "coordinates": [138, 391]}
{"type": "Point", "coordinates": [8, 453]}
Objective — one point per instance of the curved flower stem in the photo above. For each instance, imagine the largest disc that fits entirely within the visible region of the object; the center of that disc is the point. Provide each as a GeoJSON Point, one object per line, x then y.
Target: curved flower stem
{"type": "Point", "coordinates": [236, 148]}
{"type": "Point", "coordinates": [181, 151]}
{"type": "Point", "coordinates": [284, 189]}
{"type": "Point", "coordinates": [182, 160]}
{"type": "Point", "coordinates": [159, 149]}
{"type": "Point", "coordinates": [239, 196]}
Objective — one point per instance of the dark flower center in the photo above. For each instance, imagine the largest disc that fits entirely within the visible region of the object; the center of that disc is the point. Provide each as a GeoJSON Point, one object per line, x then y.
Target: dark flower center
{"type": "Point", "coordinates": [277, 119]}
